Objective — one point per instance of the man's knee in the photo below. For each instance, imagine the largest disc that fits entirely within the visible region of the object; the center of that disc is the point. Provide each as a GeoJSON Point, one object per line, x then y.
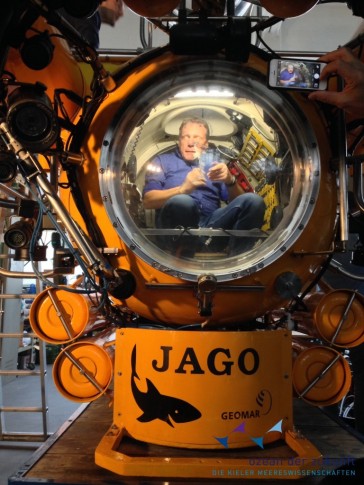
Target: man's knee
{"type": "Point", "coordinates": [251, 201]}
{"type": "Point", "coordinates": [179, 210]}
{"type": "Point", "coordinates": [182, 201]}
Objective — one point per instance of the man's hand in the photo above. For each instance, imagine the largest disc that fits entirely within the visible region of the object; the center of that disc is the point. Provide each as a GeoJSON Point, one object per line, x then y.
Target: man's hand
{"type": "Point", "coordinates": [194, 179]}
{"type": "Point", "coordinates": [220, 173]}
{"type": "Point", "coordinates": [351, 99]}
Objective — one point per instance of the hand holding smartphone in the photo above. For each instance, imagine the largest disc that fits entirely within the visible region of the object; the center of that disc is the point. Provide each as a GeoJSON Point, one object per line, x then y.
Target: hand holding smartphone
{"type": "Point", "coordinates": [299, 74]}
{"type": "Point", "coordinates": [208, 159]}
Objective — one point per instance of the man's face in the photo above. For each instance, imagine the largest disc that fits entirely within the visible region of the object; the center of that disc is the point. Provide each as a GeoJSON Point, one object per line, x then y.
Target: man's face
{"type": "Point", "coordinates": [290, 68]}
{"type": "Point", "coordinates": [192, 141]}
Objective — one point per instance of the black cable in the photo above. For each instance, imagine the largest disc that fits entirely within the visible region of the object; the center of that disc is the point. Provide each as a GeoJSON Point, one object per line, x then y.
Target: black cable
{"type": "Point", "coordinates": [299, 299]}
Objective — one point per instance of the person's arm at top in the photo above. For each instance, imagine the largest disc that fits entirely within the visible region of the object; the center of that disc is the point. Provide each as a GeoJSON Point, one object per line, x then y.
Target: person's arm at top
{"type": "Point", "coordinates": [342, 62]}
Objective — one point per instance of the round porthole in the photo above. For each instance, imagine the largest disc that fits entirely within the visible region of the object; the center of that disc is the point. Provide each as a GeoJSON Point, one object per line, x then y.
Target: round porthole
{"type": "Point", "coordinates": [252, 129]}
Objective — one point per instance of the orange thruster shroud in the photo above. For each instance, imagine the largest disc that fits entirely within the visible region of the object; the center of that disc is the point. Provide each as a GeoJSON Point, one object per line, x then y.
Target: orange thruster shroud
{"type": "Point", "coordinates": [223, 399]}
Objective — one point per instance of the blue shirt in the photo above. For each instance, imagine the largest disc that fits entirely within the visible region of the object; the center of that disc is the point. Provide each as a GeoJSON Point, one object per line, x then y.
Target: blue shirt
{"type": "Point", "coordinates": [169, 170]}
{"type": "Point", "coordinates": [285, 75]}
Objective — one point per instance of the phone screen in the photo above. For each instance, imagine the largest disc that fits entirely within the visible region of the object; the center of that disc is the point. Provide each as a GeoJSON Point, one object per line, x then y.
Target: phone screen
{"type": "Point", "coordinates": [296, 74]}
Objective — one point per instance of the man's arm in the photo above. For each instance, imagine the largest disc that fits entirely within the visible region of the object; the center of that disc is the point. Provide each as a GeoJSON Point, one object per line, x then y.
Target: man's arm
{"type": "Point", "coordinates": [235, 189]}
{"type": "Point", "coordinates": [221, 173]}
{"type": "Point", "coordinates": [155, 199]}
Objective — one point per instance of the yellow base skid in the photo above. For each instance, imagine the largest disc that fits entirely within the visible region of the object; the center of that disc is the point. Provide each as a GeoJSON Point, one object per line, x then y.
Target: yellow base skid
{"type": "Point", "coordinates": [304, 460]}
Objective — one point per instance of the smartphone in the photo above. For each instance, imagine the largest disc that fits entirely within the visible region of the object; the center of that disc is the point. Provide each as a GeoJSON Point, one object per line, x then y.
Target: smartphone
{"type": "Point", "coordinates": [296, 74]}
{"type": "Point", "coordinates": [208, 158]}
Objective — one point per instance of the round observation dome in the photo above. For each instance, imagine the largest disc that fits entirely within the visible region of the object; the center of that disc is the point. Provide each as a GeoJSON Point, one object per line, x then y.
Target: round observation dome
{"type": "Point", "coordinates": [277, 146]}
{"type": "Point", "coordinates": [262, 137]}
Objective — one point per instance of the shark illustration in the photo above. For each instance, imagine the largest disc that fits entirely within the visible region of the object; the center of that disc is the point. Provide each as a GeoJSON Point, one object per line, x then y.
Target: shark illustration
{"type": "Point", "coordinates": [159, 406]}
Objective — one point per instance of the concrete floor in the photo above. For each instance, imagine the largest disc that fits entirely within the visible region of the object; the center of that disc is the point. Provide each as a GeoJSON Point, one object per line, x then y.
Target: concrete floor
{"type": "Point", "coordinates": [26, 391]}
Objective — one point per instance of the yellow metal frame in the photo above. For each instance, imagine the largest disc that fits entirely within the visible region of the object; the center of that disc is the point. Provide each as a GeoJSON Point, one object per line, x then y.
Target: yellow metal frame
{"type": "Point", "coordinates": [305, 457]}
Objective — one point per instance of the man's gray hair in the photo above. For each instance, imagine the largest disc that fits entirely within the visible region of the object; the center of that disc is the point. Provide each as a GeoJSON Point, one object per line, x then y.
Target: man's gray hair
{"type": "Point", "coordinates": [197, 121]}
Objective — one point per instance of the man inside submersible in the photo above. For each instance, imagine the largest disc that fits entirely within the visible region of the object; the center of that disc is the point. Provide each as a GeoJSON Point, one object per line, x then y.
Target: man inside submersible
{"type": "Point", "coordinates": [186, 194]}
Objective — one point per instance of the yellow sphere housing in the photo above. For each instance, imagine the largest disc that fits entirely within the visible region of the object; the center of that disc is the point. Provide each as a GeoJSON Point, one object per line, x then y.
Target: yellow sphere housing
{"type": "Point", "coordinates": [251, 283]}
